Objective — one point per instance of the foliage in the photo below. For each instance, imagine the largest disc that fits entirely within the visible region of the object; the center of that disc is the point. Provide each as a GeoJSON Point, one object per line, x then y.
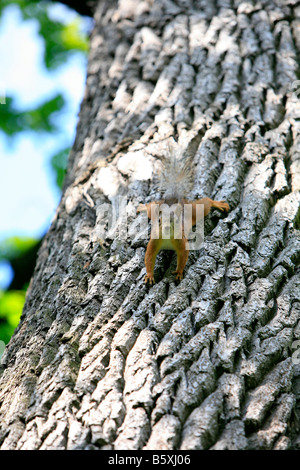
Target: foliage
{"type": "Point", "coordinates": [61, 39]}
{"type": "Point", "coordinates": [21, 254]}
{"type": "Point", "coordinates": [14, 247]}
{"type": "Point", "coordinates": [11, 305]}
{"type": "Point", "coordinates": [59, 164]}
{"type": "Point", "coordinates": [13, 121]}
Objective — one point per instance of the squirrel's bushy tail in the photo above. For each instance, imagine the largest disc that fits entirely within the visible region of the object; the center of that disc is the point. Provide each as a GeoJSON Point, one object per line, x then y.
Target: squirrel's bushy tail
{"type": "Point", "coordinates": [177, 176]}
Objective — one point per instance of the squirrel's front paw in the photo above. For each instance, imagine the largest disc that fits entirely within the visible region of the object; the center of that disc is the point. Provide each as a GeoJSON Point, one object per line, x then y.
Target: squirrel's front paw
{"type": "Point", "coordinates": [150, 278]}
{"type": "Point", "coordinates": [223, 206]}
{"type": "Point", "coordinates": [179, 275]}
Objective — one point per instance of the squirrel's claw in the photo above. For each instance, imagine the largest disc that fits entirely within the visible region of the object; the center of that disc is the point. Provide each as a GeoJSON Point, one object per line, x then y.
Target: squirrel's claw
{"type": "Point", "coordinates": [179, 276]}
{"type": "Point", "coordinates": [223, 206]}
{"type": "Point", "coordinates": [150, 278]}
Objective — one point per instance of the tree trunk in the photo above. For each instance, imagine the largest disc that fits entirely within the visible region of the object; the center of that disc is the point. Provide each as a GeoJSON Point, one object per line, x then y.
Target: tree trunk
{"type": "Point", "coordinates": [102, 361]}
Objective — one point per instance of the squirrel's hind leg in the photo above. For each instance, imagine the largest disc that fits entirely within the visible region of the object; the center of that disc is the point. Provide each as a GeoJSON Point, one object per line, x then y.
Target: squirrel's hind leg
{"type": "Point", "coordinates": [182, 257]}
{"type": "Point", "coordinates": [153, 248]}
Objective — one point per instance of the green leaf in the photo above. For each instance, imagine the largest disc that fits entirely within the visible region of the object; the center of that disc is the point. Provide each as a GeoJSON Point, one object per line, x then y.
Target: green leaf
{"type": "Point", "coordinates": [14, 247]}
{"type": "Point", "coordinates": [72, 38]}
{"type": "Point", "coordinates": [59, 39]}
{"type": "Point", "coordinates": [13, 121]}
{"type": "Point", "coordinates": [6, 332]}
{"type": "Point", "coordinates": [11, 306]}
{"type": "Point", "coordinates": [59, 163]}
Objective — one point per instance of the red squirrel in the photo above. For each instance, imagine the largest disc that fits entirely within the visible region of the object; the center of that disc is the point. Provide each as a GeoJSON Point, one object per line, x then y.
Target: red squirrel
{"type": "Point", "coordinates": [175, 184]}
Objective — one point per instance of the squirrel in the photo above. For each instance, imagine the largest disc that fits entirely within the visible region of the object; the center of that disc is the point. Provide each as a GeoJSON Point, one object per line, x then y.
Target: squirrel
{"type": "Point", "coordinates": [176, 182]}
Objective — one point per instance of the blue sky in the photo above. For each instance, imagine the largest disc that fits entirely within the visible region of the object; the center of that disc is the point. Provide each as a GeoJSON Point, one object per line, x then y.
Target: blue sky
{"type": "Point", "coordinates": [28, 193]}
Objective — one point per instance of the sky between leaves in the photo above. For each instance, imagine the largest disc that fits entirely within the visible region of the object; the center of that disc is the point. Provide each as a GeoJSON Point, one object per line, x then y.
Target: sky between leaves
{"type": "Point", "coordinates": [28, 191]}
{"type": "Point", "coordinates": [43, 54]}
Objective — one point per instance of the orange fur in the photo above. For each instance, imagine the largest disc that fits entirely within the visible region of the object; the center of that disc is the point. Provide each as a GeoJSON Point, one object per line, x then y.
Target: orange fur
{"type": "Point", "coordinates": [178, 245]}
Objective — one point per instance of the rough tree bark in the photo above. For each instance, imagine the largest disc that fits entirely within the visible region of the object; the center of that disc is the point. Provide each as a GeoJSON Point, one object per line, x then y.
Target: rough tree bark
{"type": "Point", "coordinates": [101, 361]}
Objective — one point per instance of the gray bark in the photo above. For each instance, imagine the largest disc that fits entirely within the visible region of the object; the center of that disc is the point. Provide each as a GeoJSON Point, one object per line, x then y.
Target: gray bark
{"type": "Point", "coordinates": [102, 361]}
